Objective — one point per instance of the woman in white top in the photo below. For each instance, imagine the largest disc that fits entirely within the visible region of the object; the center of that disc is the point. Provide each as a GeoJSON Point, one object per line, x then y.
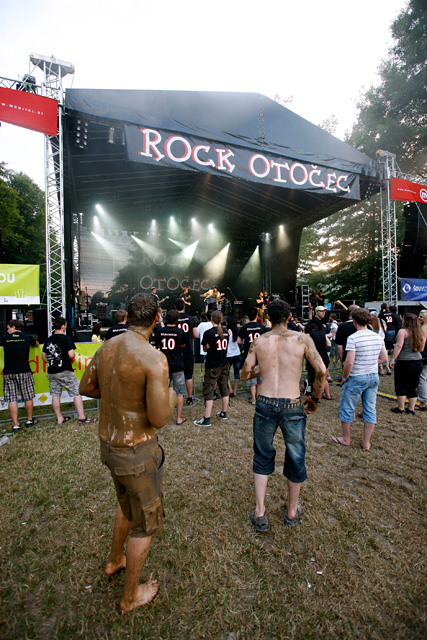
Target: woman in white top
{"type": "Point", "coordinates": [234, 356]}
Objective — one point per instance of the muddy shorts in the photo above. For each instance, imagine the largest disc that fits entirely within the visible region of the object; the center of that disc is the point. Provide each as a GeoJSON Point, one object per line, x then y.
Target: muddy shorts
{"type": "Point", "coordinates": [137, 475]}
{"type": "Point", "coordinates": [13, 383]}
{"type": "Point", "coordinates": [66, 379]}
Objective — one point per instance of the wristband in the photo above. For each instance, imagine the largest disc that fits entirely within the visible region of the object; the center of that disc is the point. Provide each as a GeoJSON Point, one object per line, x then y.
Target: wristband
{"type": "Point", "coordinates": [315, 400]}
{"type": "Point", "coordinates": [392, 360]}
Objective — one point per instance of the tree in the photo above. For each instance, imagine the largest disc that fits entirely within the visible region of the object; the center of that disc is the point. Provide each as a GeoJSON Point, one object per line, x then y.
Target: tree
{"type": "Point", "coordinates": [22, 220]}
{"type": "Point", "coordinates": [393, 115]}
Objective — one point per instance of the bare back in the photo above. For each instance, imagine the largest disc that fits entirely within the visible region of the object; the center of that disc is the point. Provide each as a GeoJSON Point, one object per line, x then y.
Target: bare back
{"type": "Point", "coordinates": [280, 356]}
{"type": "Point", "coordinates": [131, 377]}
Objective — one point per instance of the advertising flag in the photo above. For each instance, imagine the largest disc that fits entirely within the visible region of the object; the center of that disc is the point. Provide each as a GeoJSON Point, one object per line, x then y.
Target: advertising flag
{"type": "Point", "coordinates": [19, 284]}
{"type": "Point", "coordinates": [413, 289]}
{"type": "Point", "coordinates": [29, 110]}
{"type": "Point", "coordinates": [407, 191]}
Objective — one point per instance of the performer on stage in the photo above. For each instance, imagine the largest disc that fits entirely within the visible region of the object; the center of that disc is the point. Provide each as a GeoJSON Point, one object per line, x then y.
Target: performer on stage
{"type": "Point", "coordinates": [186, 297]}
{"type": "Point", "coordinates": [259, 305]}
{"type": "Point", "coordinates": [156, 297]}
{"type": "Point", "coordinates": [212, 298]}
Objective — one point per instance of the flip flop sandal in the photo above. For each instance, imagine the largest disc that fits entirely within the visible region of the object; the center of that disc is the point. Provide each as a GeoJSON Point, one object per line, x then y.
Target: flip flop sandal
{"type": "Point", "coordinates": [336, 440]}
{"type": "Point", "coordinates": [182, 422]}
{"type": "Point", "coordinates": [87, 421]}
{"type": "Point", "coordinates": [67, 419]}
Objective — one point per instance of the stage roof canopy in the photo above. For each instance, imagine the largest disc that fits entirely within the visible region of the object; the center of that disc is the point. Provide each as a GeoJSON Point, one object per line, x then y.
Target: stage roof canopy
{"type": "Point", "coordinates": [241, 159]}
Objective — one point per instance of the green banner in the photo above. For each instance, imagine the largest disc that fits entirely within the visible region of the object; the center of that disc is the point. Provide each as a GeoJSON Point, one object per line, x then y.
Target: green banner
{"type": "Point", "coordinates": [19, 284]}
{"type": "Point", "coordinates": [84, 354]}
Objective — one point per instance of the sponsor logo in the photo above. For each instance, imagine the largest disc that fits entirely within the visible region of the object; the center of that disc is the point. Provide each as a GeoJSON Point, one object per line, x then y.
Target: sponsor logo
{"type": "Point", "coordinates": [406, 288]}
{"type": "Point", "coordinates": [423, 195]}
{"type": "Point", "coordinates": [9, 277]}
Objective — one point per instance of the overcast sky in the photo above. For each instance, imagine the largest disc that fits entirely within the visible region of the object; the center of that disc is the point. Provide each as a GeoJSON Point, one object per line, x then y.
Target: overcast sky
{"type": "Point", "coordinates": [324, 54]}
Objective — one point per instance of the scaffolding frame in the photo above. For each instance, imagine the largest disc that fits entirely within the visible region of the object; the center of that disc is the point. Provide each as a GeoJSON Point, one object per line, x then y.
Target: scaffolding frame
{"type": "Point", "coordinates": [388, 229]}
{"type": "Point", "coordinates": [51, 87]}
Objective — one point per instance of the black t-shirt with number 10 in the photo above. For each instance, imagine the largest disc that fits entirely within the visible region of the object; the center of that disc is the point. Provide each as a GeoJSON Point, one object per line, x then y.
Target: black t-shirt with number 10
{"type": "Point", "coordinates": [216, 354]}
{"type": "Point", "coordinates": [248, 333]}
{"type": "Point", "coordinates": [169, 340]}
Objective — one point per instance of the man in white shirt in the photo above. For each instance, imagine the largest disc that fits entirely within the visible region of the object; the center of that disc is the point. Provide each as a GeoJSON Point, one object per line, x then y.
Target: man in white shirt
{"type": "Point", "coordinates": [201, 328]}
{"type": "Point", "coordinates": [365, 351]}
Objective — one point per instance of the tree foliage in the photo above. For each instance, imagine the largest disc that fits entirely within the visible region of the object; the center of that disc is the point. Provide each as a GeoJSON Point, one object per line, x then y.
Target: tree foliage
{"type": "Point", "coordinates": [342, 253]}
{"type": "Point", "coordinates": [22, 220]}
{"type": "Point", "coordinates": [393, 115]}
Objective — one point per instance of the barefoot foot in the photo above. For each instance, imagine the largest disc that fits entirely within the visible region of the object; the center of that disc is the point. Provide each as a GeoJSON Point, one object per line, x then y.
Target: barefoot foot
{"type": "Point", "coordinates": [112, 567]}
{"type": "Point", "coordinates": [145, 593]}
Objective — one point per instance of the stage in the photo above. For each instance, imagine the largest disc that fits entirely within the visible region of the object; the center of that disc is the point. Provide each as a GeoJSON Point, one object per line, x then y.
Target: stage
{"type": "Point", "coordinates": [173, 189]}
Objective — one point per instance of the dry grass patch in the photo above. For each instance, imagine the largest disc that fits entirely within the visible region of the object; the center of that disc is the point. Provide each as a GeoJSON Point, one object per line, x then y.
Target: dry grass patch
{"type": "Point", "coordinates": [354, 567]}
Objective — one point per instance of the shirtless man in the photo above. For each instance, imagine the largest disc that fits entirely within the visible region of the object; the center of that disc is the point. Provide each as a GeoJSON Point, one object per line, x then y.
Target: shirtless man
{"type": "Point", "coordinates": [131, 378]}
{"type": "Point", "coordinates": [278, 356]}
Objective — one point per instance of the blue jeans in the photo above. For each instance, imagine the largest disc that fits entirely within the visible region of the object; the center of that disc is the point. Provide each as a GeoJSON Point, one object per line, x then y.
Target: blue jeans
{"type": "Point", "coordinates": [359, 386]}
{"type": "Point", "coordinates": [270, 414]}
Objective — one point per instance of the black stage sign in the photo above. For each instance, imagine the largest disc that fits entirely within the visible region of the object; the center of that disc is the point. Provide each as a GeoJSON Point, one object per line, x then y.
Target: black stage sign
{"type": "Point", "coordinates": [159, 147]}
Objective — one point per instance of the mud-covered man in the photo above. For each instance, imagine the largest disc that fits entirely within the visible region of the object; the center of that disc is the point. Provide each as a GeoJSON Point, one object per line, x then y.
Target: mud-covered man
{"type": "Point", "coordinates": [131, 378]}
{"type": "Point", "coordinates": [278, 356]}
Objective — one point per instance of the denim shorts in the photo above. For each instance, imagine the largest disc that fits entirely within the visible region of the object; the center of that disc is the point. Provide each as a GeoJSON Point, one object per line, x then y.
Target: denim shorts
{"type": "Point", "coordinates": [289, 415]}
{"type": "Point", "coordinates": [253, 381]}
{"type": "Point", "coordinates": [236, 361]}
{"type": "Point", "coordinates": [359, 386]}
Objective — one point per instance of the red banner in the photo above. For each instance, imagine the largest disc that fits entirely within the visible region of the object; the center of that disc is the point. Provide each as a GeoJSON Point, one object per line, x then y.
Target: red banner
{"type": "Point", "coordinates": [29, 110]}
{"type": "Point", "coordinates": [406, 190]}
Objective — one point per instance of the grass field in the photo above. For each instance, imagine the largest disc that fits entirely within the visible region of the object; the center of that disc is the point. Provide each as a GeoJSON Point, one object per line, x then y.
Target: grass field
{"type": "Point", "coordinates": [355, 567]}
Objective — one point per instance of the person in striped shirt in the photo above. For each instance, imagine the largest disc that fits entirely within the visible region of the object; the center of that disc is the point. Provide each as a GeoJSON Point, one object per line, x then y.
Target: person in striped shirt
{"type": "Point", "coordinates": [365, 351]}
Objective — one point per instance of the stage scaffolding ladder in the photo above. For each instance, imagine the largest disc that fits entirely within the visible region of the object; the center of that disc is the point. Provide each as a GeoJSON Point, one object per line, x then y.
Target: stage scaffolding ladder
{"type": "Point", "coordinates": [388, 229]}
{"type": "Point", "coordinates": [51, 87]}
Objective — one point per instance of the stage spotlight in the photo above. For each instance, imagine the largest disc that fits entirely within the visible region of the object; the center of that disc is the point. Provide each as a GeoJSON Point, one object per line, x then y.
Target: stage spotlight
{"type": "Point", "coordinates": [252, 270]}
{"type": "Point", "coordinates": [150, 250]}
{"type": "Point", "coordinates": [210, 226]}
{"type": "Point", "coordinates": [215, 268]}
{"type": "Point", "coordinates": [193, 220]}
{"type": "Point", "coordinates": [153, 223]}
{"type": "Point", "coordinates": [283, 241]}
{"type": "Point", "coordinates": [112, 249]}
{"type": "Point", "coordinates": [98, 208]}
{"type": "Point", "coordinates": [179, 244]}
{"type": "Point", "coordinates": [111, 135]}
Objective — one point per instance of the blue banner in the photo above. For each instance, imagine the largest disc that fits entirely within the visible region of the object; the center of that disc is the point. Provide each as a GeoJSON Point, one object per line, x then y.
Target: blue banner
{"type": "Point", "coordinates": [412, 289]}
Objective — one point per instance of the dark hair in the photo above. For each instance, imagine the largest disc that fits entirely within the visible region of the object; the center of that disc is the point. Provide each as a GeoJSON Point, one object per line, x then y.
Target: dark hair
{"type": "Point", "coordinates": [279, 311]}
{"type": "Point", "coordinates": [96, 329]}
{"type": "Point", "coordinates": [172, 316]}
{"type": "Point", "coordinates": [121, 315]}
{"type": "Point", "coordinates": [217, 319]}
{"type": "Point", "coordinates": [179, 304]}
{"type": "Point", "coordinates": [392, 308]}
{"type": "Point", "coordinates": [384, 306]}
{"type": "Point", "coordinates": [352, 308]}
{"type": "Point", "coordinates": [58, 322]}
{"type": "Point", "coordinates": [310, 327]}
{"type": "Point", "coordinates": [415, 334]}
{"type": "Point", "coordinates": [361, 316]}
{"type": "Point", "coordinates": [232, 325]}
{"type": "Point", "coordinates": [252, 313]}
{"type": "Point", "coordinates": [142, 310]}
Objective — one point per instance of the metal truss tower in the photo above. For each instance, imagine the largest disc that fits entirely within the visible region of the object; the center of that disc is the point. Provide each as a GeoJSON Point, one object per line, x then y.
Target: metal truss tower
{"type": "Point", "coordinates": [388, 229]}
{"type": "Point", "coordinates": [51, 87]}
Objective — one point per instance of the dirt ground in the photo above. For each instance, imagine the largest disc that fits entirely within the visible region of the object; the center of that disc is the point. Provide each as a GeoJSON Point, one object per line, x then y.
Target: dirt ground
{"type": "Point", "coordinates": [355, 566]}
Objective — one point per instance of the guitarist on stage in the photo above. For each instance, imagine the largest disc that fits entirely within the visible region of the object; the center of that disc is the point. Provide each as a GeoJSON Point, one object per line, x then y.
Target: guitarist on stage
{"type": "Point", "coordinates": [156, 297]}
{"type": "Point", "coordinates": [212, 297]}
